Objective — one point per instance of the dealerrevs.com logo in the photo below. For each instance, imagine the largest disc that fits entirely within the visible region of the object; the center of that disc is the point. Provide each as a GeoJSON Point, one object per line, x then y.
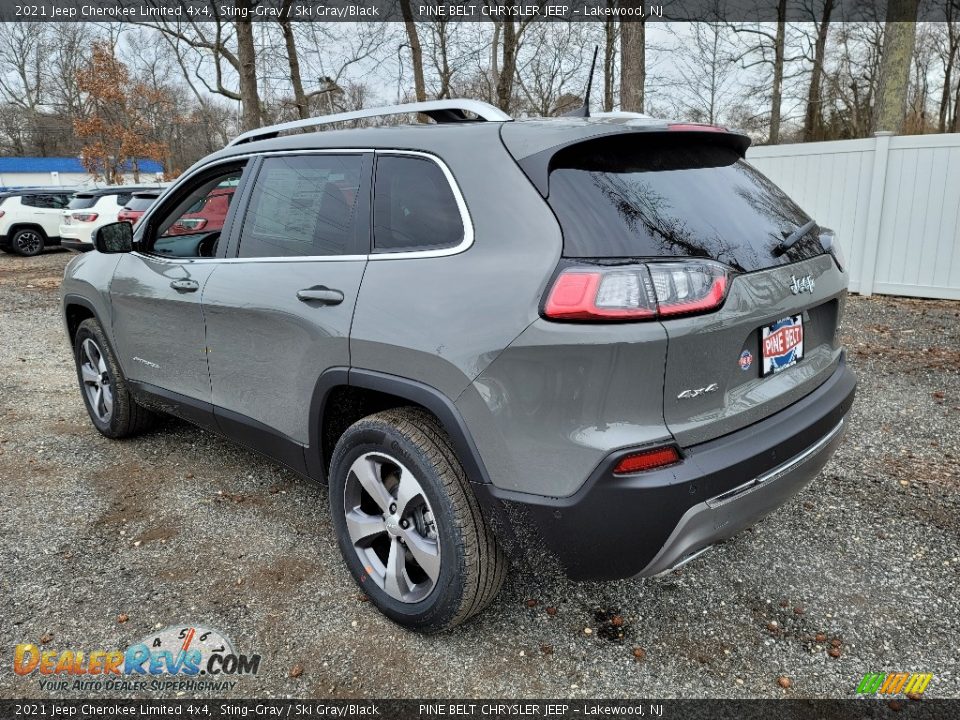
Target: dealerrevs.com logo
{"type": "Point", "coordinates": [190, 658]}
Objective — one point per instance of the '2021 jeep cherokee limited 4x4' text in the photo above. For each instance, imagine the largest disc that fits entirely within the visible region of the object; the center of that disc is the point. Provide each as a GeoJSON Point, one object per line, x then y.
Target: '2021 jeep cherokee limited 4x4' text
{"type": "Point", "coordinates": [610, 337]}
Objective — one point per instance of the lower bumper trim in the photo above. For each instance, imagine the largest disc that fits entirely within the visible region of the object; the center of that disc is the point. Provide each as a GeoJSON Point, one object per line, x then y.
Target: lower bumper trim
{"type": "Point", "coordinates": [725, 515]}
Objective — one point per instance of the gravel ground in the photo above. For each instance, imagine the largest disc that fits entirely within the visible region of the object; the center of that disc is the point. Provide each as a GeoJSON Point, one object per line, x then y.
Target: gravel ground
{"type": "Point", "coordinates": [105, 541]}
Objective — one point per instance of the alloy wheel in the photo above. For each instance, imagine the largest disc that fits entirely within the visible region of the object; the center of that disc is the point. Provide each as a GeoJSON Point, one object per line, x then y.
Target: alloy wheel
{"type": "Point", "coordinates": [29, 242]}
{"type": "Point", "coordinates": [392, 527]}
{"type": "Point", "coordinates": [96, 380]}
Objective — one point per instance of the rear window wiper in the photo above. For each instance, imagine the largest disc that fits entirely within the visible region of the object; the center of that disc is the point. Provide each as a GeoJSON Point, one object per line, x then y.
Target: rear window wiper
{"type": "Point", "coordinates": [793, 238]}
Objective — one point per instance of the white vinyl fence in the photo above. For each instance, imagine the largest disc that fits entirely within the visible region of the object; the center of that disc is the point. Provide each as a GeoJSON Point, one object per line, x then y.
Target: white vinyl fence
{"type": "Point", "coordinates": [893, 201]}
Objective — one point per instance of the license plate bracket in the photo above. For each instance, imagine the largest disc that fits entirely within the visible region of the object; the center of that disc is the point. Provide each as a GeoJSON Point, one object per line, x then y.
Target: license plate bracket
{"type": "Point", "coordinates": [781, 344]}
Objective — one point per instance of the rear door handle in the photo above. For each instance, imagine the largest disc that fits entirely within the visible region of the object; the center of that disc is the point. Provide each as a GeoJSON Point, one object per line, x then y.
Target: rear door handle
{"type": "Point", "coordinates": [185, 285]}
{"type": "Point", "coordinates": [320, 294]}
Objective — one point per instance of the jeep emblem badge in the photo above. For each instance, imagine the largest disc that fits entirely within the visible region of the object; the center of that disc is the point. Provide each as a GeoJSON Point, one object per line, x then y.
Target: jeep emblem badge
{"type": "Point", "coordinates": [804, 284]}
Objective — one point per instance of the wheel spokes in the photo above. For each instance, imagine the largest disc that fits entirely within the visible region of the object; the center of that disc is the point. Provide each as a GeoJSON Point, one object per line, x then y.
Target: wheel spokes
{"type": "Point", "coordinates": [408, 489]}
{"type": "Point", "coordinates": [366, 470]}
{"type": "Point", "coordinates": [425, 551]}
{"type": "Point", "coordinates": [395, 580]}
{"type": "Point", "coordinates": [89, 375]}
{"type": "Point", "coordinates": [363, 527]}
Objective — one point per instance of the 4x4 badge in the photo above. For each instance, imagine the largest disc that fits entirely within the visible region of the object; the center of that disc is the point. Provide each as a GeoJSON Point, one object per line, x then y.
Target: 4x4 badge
{"type": "Point", "coordinates": [804, 284]}
{"type": "Point", "coordinates": [687, 394]}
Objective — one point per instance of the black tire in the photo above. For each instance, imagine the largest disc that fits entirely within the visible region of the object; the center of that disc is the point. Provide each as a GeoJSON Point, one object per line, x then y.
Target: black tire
{"type": "Point", "coordinates": [126, 418]}
{"type": "Point", "coordinates": [472, 565]}
{"type": "Point", "coordinates": [28, 242]}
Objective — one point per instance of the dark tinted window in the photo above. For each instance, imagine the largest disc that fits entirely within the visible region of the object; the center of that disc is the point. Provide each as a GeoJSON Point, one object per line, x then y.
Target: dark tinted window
{"type": "Point", "coordinates": [82, 202]}
{"type": "Point", "coordinates": [660, 197]}
{"type": "Point", "coordinates": [414, 207]}
{"type": "Point", "coordinates": [42, 201]}
{"type": "Point", "coordinates": [303, 205]}
{"type": "Point", "coordinates": [140, 202]}
{"type": "Point", "coordinates": [123, 198]}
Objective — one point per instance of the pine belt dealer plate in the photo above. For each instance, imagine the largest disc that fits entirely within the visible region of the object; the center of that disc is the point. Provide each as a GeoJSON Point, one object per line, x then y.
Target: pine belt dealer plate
{"type": "Point", "coordinates": [781, 344]}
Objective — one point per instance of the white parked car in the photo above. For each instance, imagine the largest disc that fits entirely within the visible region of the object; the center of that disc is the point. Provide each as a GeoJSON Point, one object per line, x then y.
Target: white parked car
{"type": "Point", "coordinates": [89, 209]}
{"type": "Point", "coordinates": [30, 219]}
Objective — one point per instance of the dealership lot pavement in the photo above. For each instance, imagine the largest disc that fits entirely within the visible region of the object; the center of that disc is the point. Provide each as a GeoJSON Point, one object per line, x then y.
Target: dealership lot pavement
{"type": "Point", "coordinates": [105, 541]}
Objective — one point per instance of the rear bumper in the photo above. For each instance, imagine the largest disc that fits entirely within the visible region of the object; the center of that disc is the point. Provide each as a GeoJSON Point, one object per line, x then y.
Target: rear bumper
{"type": "Point", "coordinates": [644, 524]}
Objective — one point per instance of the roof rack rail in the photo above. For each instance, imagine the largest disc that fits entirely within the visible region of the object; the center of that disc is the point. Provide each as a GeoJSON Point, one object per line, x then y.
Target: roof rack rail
{"type": "Point", "coordinates": [441, 111]}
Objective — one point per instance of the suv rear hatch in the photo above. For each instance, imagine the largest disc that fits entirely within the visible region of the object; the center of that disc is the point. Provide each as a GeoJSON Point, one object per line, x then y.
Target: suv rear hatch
{"type": "Point", "coordinates": [641, 199]}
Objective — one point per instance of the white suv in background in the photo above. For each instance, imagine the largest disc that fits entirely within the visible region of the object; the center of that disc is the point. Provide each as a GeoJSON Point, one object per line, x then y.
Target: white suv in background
{"type": "Point", "coordinates": [89, 209]}
{"type": "Point", "coordinates": [30, 218]}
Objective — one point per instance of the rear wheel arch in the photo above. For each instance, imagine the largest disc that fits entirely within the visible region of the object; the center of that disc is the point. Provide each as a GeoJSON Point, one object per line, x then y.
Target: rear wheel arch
{"type": "Point", "coordinates": [342, 396]}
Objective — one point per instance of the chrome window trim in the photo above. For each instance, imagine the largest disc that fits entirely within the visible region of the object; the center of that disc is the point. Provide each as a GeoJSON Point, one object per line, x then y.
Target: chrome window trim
{"type": "Point", "coordinates": [465, 243]}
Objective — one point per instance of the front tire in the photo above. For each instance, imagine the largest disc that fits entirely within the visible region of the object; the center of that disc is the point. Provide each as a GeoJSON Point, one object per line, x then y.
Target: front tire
{"type": "Point", "coordinates": [27, 242]}
{"type": "Point", "coordinates": [103, 386]}
{"type": "Point", "coordinates": [408, 524]}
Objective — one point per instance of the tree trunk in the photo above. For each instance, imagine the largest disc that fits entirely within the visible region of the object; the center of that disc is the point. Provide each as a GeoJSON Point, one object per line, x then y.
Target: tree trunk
{"type": "Point", "coordinates": [890, 108]}
{"type": "Point", "coordinates": [776, 94]}
{"type": "Point", "coordinates": [508, 65]}
{"type": "Point", "coordinates": [293, 61]}
{"type": "Point", "coordinates": [416, 51]}
{"type": "Point", "coordinates": [247, 59]}
{"type": "Point", "coordinates": [633, 62]}
{"type": "Point", "coordinates": [609, 57]}
{"type": "Point", "coordinates": [813, 122]}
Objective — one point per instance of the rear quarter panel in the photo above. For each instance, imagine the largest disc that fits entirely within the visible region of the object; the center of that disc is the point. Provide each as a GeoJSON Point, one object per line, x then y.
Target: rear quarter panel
{"type": "Point", "coordinates": [442, 320]}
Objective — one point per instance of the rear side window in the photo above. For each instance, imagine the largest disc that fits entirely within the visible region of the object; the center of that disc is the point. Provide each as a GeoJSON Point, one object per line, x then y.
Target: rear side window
{"type": "Point", "coordinates": [672, 197]}
{"type": "Point", "coordinates": [123, 198]}
{"type": "Point", "coordinates": [414, 207]}
{"type": "Point", "coordinates": [139, 203]}
{"type": "Point", "coordinates": [82, 202]}
{"type": "Point", "coordinates": [304, 205]}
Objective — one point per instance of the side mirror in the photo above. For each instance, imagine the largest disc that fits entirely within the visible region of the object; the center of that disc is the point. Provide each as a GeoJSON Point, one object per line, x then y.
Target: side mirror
{"type": "Point", "coordinates": [114, 238]}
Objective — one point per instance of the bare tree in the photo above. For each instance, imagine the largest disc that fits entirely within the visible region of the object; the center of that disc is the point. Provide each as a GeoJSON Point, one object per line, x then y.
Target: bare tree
{"type": "Point", "coordinates": [610, 37]}
{"type": "Point", "coordinates": [813, 118]}
{"type": "Point", "coordinates": [633, 61]}
{"type": "Point", "coordinates": [899, 36]}
{"type": "Point", "coordinates": [704, 61]}
{"type": "Point", "coordinates": [416, 51]}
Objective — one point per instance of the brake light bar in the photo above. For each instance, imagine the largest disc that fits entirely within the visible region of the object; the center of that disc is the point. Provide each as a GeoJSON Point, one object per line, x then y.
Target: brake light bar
{"type": "Point", "coordinates": [637, 292]}
{"type": "Point", "coordinates": [696, 127]}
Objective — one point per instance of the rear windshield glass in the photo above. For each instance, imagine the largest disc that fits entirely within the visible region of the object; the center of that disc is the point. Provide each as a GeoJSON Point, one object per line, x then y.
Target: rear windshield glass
{"type": "Point", "coordinates": [82, 202]}
{"type": "Point", "coordinates": [140, 203]}
{"type": "Point", "coordinates": [662, 197]}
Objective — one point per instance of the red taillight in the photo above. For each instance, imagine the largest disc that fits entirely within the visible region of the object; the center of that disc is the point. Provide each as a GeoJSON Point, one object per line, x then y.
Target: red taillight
{"type": "Point", "coordinates": [580, 294]}
{"type": "Point", "coordinates": [647, 460]}
{"type": "Point", "coordinates": [2, 213]}
{"type": "Point", "coordinates": [192, 223]}
{"type": "Point", "coordinates": [85, 217]}
{"type": "Point", "coordinates": [637, 292]}
{"type": "Point", "coordinates": [695, 127]}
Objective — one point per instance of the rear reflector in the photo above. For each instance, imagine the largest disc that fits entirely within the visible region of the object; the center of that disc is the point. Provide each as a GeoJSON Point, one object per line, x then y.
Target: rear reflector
{"type": "Point", "coordinates": [637, 292]}
{"type": "Point", "coordinates": [647, 460]}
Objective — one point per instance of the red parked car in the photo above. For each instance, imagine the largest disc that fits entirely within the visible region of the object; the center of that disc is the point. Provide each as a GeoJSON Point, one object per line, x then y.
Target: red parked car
{"type": "Point", "coordinates": [138, 204]}
{"type": "Point", "coordinates": [207, 215]}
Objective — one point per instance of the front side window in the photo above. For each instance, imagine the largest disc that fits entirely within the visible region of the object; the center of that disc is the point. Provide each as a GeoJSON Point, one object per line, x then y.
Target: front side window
{"type": "Point", "coordinates": [304, 205]}
{"type": "Point", "coordinates": [414, 206]}
{"type": "Point", "coordinates": [191, 226]}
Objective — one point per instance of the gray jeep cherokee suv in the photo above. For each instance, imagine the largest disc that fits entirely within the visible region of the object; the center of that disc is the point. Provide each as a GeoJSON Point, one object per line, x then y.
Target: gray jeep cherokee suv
{"type": "Point", "coordinates": [610, 338]}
